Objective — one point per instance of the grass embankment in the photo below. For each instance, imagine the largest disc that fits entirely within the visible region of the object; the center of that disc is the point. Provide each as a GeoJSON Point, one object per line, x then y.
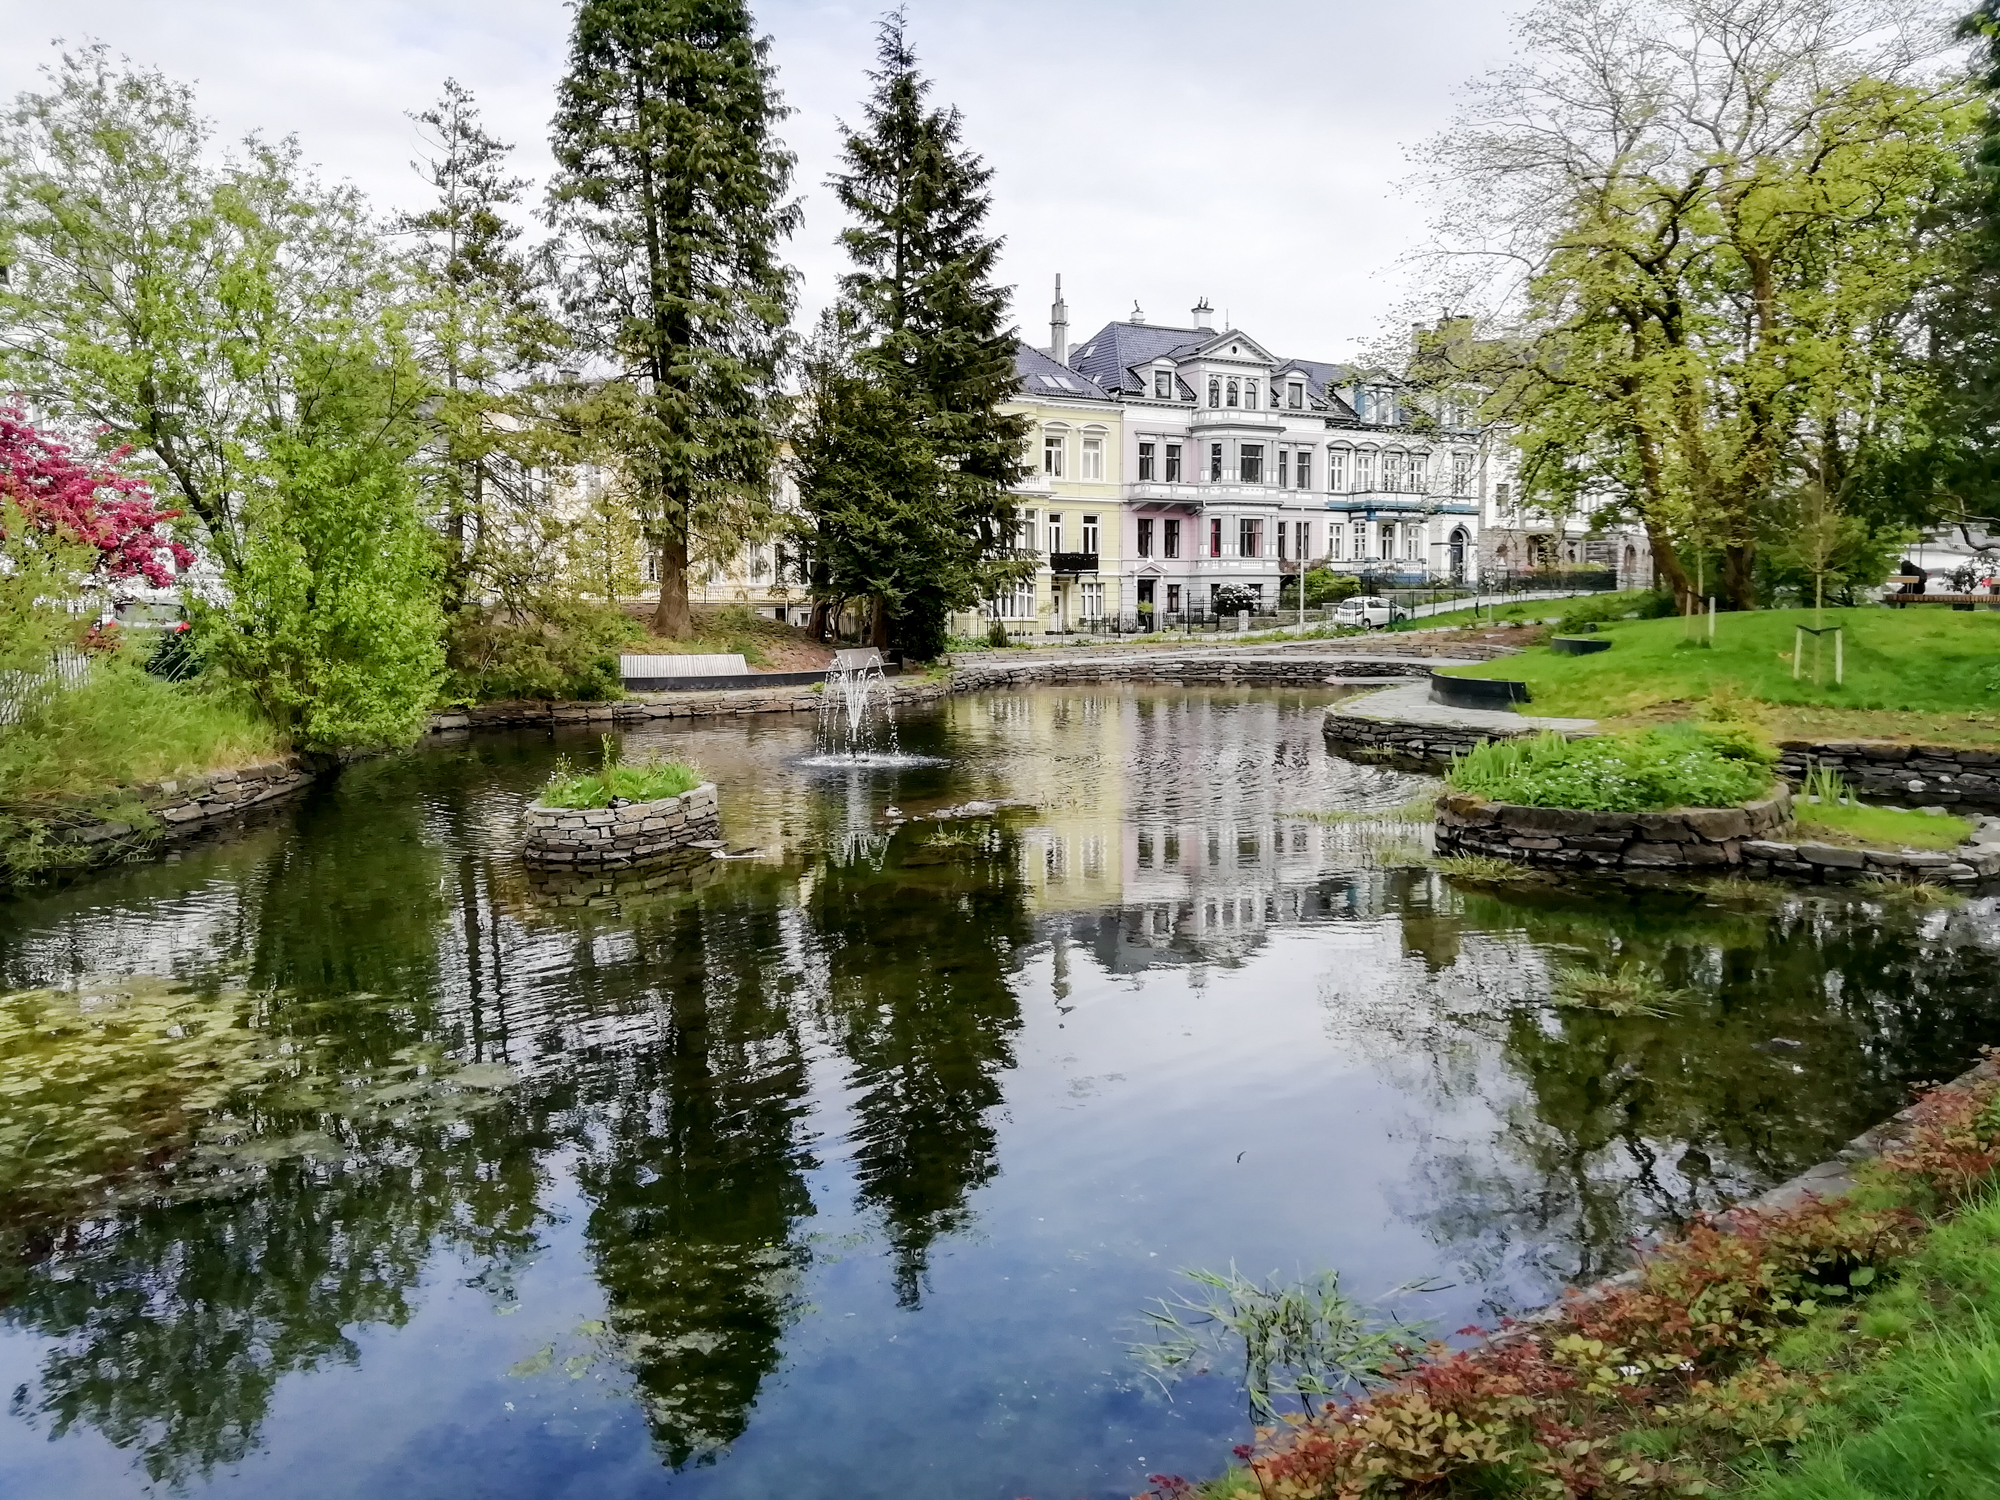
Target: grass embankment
{"type": "Point", "coordinates": [1922, 674]}
{"type": "Point", "coordinates": [1572, 612]}
{"type": "Point", "coordinates": [1863, 827]}
{"type": "Point", "coordinates": [1844, 1349]}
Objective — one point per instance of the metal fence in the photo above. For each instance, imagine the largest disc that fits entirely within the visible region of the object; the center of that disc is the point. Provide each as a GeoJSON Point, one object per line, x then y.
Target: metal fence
{"type": "Point", "coordinates": [23, 692]}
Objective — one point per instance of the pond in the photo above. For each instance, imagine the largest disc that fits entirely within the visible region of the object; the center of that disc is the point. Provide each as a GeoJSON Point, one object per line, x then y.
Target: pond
{"type": "Point", "coordinates": [848, 1167]}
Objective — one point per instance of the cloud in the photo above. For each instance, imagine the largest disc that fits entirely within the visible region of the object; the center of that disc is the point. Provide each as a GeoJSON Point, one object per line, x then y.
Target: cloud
{"type": "Point", "coordinates": [1154, 152]}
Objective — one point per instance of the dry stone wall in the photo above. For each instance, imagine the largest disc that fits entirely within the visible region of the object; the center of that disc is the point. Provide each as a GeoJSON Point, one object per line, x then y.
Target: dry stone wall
{"type": "Point", "coordinates": [1705, 839]}
{"type": "Point", "coordinates": [178, 808]}
{"type": "Point", "coordinates": [616, 837]}
{"type": "Point", "coordinates": [1901, 773]}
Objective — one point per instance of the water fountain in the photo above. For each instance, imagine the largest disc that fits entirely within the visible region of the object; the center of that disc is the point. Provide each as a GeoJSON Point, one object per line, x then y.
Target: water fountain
{"type": "Point", "coordinates": [857, 715]}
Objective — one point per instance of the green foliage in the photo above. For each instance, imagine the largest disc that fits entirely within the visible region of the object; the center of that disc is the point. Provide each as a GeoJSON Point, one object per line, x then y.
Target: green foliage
{"type": "Point", "coordinates": [680, 293]}
{"type": "Point", "coordinates": [1485, 869]}
{"type": "Point", "coordinates": [1839, 818]}
{"type": "Point", "coordinates": [640, 781]}
{"type": "Point", "coordinates": [334, 624]}
{"type": "Point", "coordinates": [1679, 766]}
{"type": "Point", "coordinates": [1299, 1342]}
{"type": "Point", "coordinates": [904, 455]}
{"type": "Point", "coordinates": [1627, 988]}
{"type": "Point", "coordinates": [565, 648]}
{"type": "Point", "coordinates": [1232, 599]}
{"type": "Point", "coordinates": [1595, 609]}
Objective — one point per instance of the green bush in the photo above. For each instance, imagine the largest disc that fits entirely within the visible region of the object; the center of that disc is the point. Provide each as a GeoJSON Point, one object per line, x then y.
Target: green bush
{"type": "Point", "coordinates": [568, 650]}
{"type": "Point", "coordinates": [1682, 765]}
{"type": "Point", "coordinates": [1596, 609]}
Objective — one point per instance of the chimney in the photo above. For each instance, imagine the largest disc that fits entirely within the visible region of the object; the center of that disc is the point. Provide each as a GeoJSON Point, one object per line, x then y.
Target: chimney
{"type": "Point", "coordinates": [1059, 327]}
{"type": "Point", "coordinates": [1138, 313]}
{"type": "Point", "coordinates": [1204, 315]}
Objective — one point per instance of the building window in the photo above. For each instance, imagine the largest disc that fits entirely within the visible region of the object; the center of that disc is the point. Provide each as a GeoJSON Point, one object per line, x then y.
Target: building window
{"type": "Point", "coordinates": [1461, 473]}
{"type": "Point", "coordinates": [1173, 608]}
{"type": "Point", "coordinates": [1016, 603]}
{"type": "Point", "coordinates": [1235, 392]}
{"type": "Point", "coordinates": [1501, 493]}
{"type": "Point", "coordinates": [1145, 461]}
{"type": "Point", "coordinates": [1284, 468]}
{"type": "Point", "coordinates": [1214, 391]}
{"type": "Point", "coordinates": [1250, 463]}
{"type": "Point", "coordinates": [1305, 468]}
{"type": "Point", "coordinates": [1093, 601]}
{"type": "Point", "coordinates": [1215, 463]}
{"type": "Point", "coordinates": [1173, 463]}
{"type": "Point", "coordinates": [1170, 539]}
{"type": "Point", "coordinates": [1090, 535]}
{"type": "Point", "coordinates": [1027, 531]}
{"type": "Point", "coordinates": [1093, 458]}
{"type": "Point", "coordinates": [1052, 457]}
{"type": "Point", "coordinates": [1364, 469]}
{"type": "Point", "coordinates": [1250, 538]}
{"type": "Point", "coordinates": [1392, 471]}
{"type": "Point", "coordinates": [1386, 546]}
{"type": "Point", "coordinates": [1215, 536]}
{"type": "Point", "coordinates": [1413, 543]}
{"type": "Point", "coordinates": [1416, 473]}
{"type": "Point", "coordinates": [1250, 392]}
{"type": "Point", "coordinates": [1283, 527]}
{"type": "Point", "coordinates": [1336, 469]}
{"type": "Point", "coordinates": [1145, 536]}
{"type": "Point", "coordinates": [1336, 541]}
{"type": "Point", "coordinates": [1055, 531]}
{"type": "Point", "coordinates": [1163, 384]}
{"type": "Point", "coordinates": [1295, 395]}
{"type": "Point", "coordinates": [1305, 534]}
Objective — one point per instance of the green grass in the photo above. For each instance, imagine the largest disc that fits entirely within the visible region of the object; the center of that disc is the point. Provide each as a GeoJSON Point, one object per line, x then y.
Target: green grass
{"type": "Point", "coordinates": [1577, 610]}
{"type": "Point", "coordinates": [1680, 765]}
{"type": "Point", "coordinates": [1880, 827]}
{"type": "Point", "coordinates": [1916, 660]}
{"type": "Point", "coordinates": [645, 781]}
{"type": "Point", "coordinates": [121, 728]}
{"type": "Point", "coordinates": [1922, 1420]}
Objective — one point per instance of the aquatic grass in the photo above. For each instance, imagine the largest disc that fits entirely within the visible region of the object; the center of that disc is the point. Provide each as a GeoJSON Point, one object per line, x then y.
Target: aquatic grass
{"type": "Point", "coordinates": [1484, 869]}
{"type": "Point", "coordinates": [637, 781]}
{"type": "Point", "coordinates": [1298, 1342]}
{"type": "Point", "coordinates": [1628, 989]}
{"type": "Point", "coordinates": [1678, 765]}
{"type": "Point", "coordinates": [1420, 807]}
{"type": "Point", "coordinates": [1913, 892]}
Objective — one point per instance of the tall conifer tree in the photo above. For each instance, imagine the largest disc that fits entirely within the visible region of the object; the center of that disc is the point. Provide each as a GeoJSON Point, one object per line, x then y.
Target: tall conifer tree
{"type": "Point", "coordinates": [672, 188]}
{"type": "Point", "coordinates": [906, 457]}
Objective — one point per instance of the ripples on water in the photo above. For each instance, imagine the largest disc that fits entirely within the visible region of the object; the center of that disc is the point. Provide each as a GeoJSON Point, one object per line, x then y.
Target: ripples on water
{"type": "Point", "coordinates": [845, 1170]}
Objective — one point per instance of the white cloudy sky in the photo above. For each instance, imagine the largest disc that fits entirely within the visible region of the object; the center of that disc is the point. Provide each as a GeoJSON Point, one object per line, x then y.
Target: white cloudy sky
{"type": "Point", "coordinates": [1149, 150]}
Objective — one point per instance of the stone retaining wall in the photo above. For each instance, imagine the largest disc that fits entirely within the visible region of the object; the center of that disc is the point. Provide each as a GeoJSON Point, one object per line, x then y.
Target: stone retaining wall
{"type": "Point", "coordinates": [1901, 773]}
{"type": "Point", "coordinates": [538, 715]}
{"type": "Point", "coordinates": [1207, 668]}
{"type": "Point", "coordinates": [614, 837]}
{"type": "Point", "coordinates": [178, 808]}
{"type": "Point", "coordinates": [1694, 838]}
{"type": "Point", "coordinates": [1405, 743]}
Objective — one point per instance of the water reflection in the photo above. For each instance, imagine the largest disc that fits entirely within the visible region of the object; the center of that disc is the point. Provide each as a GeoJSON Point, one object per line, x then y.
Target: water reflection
{"type": "Point", "coordinates": [888, 1132]}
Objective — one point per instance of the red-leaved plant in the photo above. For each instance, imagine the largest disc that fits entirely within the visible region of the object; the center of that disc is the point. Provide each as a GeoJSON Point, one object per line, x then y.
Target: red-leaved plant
{"type": "Point", "coordinates": [57, 495]}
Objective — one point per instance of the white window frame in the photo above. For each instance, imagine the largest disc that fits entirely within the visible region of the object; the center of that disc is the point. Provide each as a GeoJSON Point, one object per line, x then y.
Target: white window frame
{"type": "Point", "coordinates": [1055, 447]}
{"type": "Point", "coordinates": [1337, 467]}
{"type": "Point", "coordinates": [1092, 466]}
{"type": "Point", "coordinates": [1054, 531]}
{"type": "Point", "coordinates": [1089, 535]}
{"type": "Point", "coordinates": [1091, 603]}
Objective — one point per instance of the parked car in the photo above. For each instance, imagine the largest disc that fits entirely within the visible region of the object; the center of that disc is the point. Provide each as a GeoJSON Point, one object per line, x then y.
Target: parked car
{"type": "Point", "coordinates": [1368, 611]}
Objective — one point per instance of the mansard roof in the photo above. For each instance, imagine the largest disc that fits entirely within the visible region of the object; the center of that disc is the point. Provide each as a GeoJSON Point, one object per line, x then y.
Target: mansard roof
{"type": "Point", "coordinates": [1113, 355]}
{"type": "Point", "coordinates": [1041, 376]}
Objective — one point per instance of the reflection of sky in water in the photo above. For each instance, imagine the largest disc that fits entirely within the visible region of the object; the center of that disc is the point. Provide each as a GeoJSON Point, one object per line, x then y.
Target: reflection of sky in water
{"type": "Point", "coordinates": [845, 1170]}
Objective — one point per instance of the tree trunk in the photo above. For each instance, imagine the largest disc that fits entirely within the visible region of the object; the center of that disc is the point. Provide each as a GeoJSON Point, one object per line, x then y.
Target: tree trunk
{"type": "Point", "coordinates": [878, 623]}
{"type": "Point", "coordinates": [671, 618]}
{"type": "Point", "coordinates": [816, 626]}
{"type": "Point", "coordinates": [1739, 575]}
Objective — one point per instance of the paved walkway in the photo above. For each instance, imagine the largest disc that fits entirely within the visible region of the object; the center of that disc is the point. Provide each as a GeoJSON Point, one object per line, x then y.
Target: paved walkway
{"type": "Point", "coordinates": [1410, 703]}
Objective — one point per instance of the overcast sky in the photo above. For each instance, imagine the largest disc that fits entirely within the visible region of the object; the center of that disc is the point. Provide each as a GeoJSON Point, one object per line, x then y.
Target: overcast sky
{"type": "Point", "coordinates": [1149, 150]}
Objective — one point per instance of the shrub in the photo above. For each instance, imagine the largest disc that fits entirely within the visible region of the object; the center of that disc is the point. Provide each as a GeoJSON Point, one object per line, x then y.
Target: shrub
{"type": "Point", "coordinates": [1681, 765]}
{"type": "Point", "coordinates": [1233, 598]}
{"type": "Point", "coordinates": [1594, 609]}
{"type": "Point", "coordinates": [568, 649]}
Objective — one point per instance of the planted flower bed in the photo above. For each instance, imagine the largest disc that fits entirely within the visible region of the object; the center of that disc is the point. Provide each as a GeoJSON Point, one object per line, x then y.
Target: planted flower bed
{"type": "Point", "coordinates": [621, 815]}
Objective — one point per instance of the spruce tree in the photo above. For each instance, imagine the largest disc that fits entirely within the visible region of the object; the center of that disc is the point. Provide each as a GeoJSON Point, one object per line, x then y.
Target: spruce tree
{"type": "Point", "coordinates": [481, 329]}
{"type": "Point", "coordinates": [906, 460]}
{"type": "Point", "coordinates": [671, 187]}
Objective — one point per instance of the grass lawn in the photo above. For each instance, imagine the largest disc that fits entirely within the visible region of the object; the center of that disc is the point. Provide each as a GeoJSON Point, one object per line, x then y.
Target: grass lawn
{"type": "Point", "coordinates": [1918, 1420]}
{"type": "Point", "coordinates": [1879, 827]}
{"type": "Point", "coordinates": [1534, 611]}
{"type": "Point", "coordinates": [1918, 674]}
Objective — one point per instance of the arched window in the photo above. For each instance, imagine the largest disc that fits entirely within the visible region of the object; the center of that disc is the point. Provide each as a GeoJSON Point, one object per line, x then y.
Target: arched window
{"type": "Point", "coordinates": [1337, 461]}
{"type": "Point", "coordinates": [1235, 390]}
{"type": "Point", "coordinates": [1214, 391]}
{"type": "Point", "coordinates": [1392, 469]}
{"type": "Point", "coordinates": [1250, 392]}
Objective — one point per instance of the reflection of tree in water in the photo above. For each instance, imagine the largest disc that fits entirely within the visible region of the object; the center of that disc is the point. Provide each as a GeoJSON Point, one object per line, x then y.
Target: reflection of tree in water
{"type": "Point", "coordinates": [918, 956]}
{"type": "Point", "coordinates": [695, 1167]}
{"type": "Point", "coordinates": [1615, 1127]}
{"type": "Point", "coordinates": [171, 1327]}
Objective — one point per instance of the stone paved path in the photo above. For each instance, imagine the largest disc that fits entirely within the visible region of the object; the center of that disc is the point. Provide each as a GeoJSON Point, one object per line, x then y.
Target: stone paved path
{"type": "Point", "coordinates": [1410, 703]}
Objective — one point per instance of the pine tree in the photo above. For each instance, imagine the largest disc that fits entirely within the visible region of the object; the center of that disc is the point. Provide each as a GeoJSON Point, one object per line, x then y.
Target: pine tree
{"type": "Point", "coordinates": [481, 328]}
{"type": "Point", "coordinates": [904, 473]}
{"type": "Point", "coordinates": [672, 189]}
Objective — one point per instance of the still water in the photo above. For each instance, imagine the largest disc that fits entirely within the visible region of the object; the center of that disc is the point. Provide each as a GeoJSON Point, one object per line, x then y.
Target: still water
{"type": "Point", "coordinates": [846, 1169]}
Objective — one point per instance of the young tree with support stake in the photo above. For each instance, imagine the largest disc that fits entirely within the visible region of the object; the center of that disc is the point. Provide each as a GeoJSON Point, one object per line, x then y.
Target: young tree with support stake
{"type": "Point", "coordinates": [671, 186]}
{"type": "Point", "coordinates": [904, 456]}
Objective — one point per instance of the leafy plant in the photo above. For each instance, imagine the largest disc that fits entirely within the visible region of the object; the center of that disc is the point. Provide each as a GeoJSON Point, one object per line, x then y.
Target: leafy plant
{"type": "Point", "coordinates": [1681, 765]}
{"type": "Point", "coordinates": [1628, 989]}
{"type": "Point", "coordinates": [1299, 1342]}
{"type": "Point", "coordinates": [642, 781]}
{"type": "Point", "coordinates": [1485, 868]}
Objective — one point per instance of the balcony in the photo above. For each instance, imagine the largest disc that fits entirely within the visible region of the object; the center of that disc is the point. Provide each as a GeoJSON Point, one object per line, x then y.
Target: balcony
{"type": "Point", "coordinates": [1072, 562]}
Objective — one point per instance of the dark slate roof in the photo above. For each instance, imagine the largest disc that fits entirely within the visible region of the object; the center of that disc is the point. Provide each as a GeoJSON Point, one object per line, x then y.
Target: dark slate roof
{"type": "Point", "coordinates": [1110, 355]}
{"type": "Point", "coordinates": [1041, 376]}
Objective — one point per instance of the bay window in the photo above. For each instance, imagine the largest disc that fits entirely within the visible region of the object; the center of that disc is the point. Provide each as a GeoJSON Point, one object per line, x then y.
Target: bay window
{"type": "Point", "coordinates": [1250, 538]}
{"type": "Point", "coordinates": [1215, 463]}
{"type": "Point", "coordinates": [1250, 463]}
{"type": "Point", "coordinates": [1215, 536]}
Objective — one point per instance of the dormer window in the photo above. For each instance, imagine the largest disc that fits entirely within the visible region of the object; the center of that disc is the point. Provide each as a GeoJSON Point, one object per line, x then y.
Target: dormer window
{"type": "Point", "coordinates": [1295, 395]}
{"type": "Point", "coordinates": [1163, 384]}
